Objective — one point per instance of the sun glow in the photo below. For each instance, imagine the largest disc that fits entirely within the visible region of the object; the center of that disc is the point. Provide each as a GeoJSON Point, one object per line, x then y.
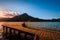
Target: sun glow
{"type": "Point", "coordinates": [1, 13]}
{"type": "Point", "coordinates": [7, 13]}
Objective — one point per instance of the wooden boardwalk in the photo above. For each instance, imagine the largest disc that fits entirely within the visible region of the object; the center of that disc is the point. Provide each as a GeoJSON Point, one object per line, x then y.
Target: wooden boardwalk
{"type": "Point", "coordinates": [42, 34]}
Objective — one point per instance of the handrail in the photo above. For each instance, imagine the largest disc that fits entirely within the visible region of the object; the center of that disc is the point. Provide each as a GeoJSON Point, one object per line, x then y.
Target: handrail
{"type": "Point", "coordinates": [41, 33]}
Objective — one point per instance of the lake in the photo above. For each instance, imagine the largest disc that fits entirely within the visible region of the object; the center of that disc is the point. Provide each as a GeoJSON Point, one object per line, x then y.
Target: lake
{"type": "Point", "coordinates": [47, 25]}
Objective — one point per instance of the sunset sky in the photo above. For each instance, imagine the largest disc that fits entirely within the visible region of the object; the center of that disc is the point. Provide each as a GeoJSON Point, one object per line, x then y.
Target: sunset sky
{"type": "Point", "coordinates": [46, 9]}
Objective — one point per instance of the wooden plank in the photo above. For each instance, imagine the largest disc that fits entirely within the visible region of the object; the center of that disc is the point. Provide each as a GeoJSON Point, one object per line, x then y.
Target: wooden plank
{"type": "Point", "coordinates": [43, 34]}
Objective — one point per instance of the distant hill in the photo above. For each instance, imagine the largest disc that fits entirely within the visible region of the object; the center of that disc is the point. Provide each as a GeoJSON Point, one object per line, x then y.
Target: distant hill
{"type": "Point", "coordinates": [23, 17]}
{"type": "Point", "coordinates": [26, 17]}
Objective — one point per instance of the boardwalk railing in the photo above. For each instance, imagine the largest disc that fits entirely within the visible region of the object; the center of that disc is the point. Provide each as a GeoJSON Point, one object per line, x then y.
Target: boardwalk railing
{"type": "Point", "coordinates": [18, 33]}
{"type": "Point", "coordinates": [24, 33]}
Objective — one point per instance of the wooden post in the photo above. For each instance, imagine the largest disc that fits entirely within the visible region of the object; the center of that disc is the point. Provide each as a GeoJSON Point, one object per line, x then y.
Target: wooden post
{"type": "Point", "coordinates": [6, 32]}
{"type": "Point", "coordinates": [3, 31]}
{"type": "Point", "coordinates": [10, 32]}
{"type": "Point", "coordinates": [25, 36]}
{"type": "Point", "coordinates": [14, 32]}
{"type": "Point", "coordinates": [35, 37]}
{"type": "Point", "coordinates": [18, 35]}
{"type": "Point", "coordinates": [14, 35]}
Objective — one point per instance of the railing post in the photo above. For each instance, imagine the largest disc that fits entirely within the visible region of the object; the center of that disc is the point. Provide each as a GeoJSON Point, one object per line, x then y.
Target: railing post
{"type": "Point", "coordinates": [6, 32]}
{"type": "Point", "coordinates": [14, 32]}
{"type": "Point", "coordinates": [25, 36]}
{"type": "Point", "coordinates": [18, 35]}
{"type": "Point", "coordinates": [35, 37]}
{"type": "Point", "coordinates": [3, 31]}
{"type": "Point", "coordinates": [14, 35]}
{"type": "Point", "coordinates": [10, 33]}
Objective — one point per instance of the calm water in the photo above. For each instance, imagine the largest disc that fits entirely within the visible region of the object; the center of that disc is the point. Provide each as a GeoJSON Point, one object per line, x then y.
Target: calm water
{"type": "Point", "coordinates": [48, 25]}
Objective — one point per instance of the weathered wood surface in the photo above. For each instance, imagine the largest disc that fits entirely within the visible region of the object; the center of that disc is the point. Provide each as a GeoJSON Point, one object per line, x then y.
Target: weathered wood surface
{"type": "Point", "coordinates": [43, 34]}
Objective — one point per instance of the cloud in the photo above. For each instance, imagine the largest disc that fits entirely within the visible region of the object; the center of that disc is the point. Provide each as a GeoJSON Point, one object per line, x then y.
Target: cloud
{"type": "Point", "coordinates": [7, 13]}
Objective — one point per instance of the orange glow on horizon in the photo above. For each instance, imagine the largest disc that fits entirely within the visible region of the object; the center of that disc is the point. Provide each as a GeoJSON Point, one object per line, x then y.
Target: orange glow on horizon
{"type": "Point", "coordinates": [6, 13]}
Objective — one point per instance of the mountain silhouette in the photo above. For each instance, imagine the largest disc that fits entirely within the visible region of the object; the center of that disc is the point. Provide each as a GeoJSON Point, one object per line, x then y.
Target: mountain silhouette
{"type": "Point", "coordinates": [25, 17]}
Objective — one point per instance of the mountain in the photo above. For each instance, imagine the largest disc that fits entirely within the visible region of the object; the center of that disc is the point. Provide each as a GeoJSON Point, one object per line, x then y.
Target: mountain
{"type": "Point", "coordinates": [27, 18]}
{"type": "Point", "coordinates": [23, 17]}
{"type": "Point", "coordinates": [58, 20]}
